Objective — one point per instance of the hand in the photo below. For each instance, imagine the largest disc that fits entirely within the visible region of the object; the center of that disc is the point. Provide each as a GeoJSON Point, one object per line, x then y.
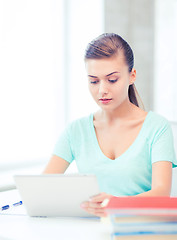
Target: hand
{"type": "Point", "coordinates": [96, 204]}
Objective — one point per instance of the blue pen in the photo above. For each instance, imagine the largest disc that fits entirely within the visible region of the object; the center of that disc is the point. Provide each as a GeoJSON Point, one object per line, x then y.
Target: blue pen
{"type": "Point", "coordinates": [4, 207]}
{"type": "Point", "coordinates": [17, 204]}
{"type": "Point", "coordinates": [13, 205]}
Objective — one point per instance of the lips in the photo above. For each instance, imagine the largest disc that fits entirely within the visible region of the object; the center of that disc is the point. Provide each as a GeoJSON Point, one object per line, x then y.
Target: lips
{"type": "Point", "coordinates": [105, 100]}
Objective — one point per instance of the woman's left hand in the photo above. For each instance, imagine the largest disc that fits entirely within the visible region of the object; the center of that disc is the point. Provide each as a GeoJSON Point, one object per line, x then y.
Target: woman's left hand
{"type": "Point", "coordinates": [96, 204]}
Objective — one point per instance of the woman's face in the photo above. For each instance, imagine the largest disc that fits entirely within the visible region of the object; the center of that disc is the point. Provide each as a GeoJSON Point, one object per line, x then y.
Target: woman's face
{"type": "Point", "coordinates": [109, 80]}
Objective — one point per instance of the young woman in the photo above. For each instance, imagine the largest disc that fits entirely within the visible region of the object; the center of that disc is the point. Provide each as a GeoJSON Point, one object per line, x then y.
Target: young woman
{"type": "Point", "coordinates": [129, 150]}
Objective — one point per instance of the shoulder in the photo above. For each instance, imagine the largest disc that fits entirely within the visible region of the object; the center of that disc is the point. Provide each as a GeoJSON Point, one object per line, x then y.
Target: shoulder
{"type": "Point", "coordinates": [82, 123]}
{"type": "Point", "coordinates": [80, 130]}
{"type": "Point", "coordinates": [156, 120]}
{"type": "Point", "coordinates": [156, 125]}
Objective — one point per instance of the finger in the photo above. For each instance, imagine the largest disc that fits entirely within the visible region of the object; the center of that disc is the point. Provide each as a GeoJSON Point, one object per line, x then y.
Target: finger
{"type": "Point", "coordinates": [92, 205]}
{"type": "Point", "coordinates": [95, 205]}
{"type": "Point", "coordinates": [96, 212]}
{"type": "Point", "coordinates": [84, 204]}
{"type": "Point", "coordinates": [99, 198]}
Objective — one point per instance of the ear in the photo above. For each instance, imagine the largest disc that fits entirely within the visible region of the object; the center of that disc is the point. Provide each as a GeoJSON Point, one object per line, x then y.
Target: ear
{"type": "Point", "coordinates": [132, 76]}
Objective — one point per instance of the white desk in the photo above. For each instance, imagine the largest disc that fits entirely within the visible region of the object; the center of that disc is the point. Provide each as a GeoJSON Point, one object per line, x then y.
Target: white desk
{"type": "Point", "coordinates": [15, 225]}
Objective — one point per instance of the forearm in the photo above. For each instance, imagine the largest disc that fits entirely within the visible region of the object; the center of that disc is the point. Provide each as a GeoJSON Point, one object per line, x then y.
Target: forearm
{"type": "Point", "coordinates": [155, 192]}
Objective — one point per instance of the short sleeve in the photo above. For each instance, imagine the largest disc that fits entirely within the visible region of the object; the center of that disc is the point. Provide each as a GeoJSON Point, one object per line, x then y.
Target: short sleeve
{"type": "Point", "coordinates": [163, 145]}
{"type": "Point", "coordinates": [63, 147]}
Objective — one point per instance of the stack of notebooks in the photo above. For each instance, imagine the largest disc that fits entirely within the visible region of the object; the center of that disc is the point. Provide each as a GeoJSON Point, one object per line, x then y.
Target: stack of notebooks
{"type": "Point", "coordinates": [143, 217]}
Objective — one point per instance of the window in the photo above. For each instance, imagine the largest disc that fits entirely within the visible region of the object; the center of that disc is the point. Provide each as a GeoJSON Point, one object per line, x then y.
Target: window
{"type": "Point", "coordinates": [42, 77]}
{"type": "Point", "coordinates": [81, 30]}
{"type": "Point", "coordinates": [31, 80]}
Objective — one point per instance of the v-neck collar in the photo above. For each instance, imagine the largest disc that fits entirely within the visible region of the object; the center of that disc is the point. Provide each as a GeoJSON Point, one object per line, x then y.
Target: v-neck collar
{"type": "Point", "coordinates": [128, 149]}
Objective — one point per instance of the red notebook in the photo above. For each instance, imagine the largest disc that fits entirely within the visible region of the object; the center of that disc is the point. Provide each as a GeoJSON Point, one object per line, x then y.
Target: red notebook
{"type": "Point", "coordinates": [142, 202]}
{"type": "Point", "coordinates": [143, 205]}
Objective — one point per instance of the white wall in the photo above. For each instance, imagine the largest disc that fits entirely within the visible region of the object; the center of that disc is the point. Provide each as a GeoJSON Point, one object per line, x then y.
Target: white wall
{"type": "Point", "coordinates": [134, 21]}
{"type": "Point", "coordinates": [165, 54]}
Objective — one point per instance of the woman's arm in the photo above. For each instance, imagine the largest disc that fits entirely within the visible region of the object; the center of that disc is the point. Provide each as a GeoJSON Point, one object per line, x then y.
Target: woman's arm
{"type": "Point", "coordinates": [56, 165]}
{"type": "Point", "coordinates": [161, 186]}
{"type": "Point", "coordinates": [161, 179]}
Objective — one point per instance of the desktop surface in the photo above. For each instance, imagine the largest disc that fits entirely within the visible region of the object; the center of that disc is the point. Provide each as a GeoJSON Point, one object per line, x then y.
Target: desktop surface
{"type": "Point", "coordinates": [15, 224]}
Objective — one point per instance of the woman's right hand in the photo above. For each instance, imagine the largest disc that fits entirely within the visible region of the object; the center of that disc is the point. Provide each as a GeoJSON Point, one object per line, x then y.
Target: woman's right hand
{"type": "Point", "coordinates": [96, 204]}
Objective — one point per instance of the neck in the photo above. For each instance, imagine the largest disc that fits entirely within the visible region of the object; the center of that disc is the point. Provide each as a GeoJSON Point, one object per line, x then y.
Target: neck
{"type": "Point", "coordinates": [123, 112]}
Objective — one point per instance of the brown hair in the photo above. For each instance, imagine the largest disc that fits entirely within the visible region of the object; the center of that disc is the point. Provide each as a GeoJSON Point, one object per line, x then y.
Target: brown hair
{"type": "Point", "coordinates": [106, 46]}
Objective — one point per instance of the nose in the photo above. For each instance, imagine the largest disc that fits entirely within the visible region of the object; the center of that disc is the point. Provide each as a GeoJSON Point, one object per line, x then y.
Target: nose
{"type": "Point", "coordinates": [103, 88]}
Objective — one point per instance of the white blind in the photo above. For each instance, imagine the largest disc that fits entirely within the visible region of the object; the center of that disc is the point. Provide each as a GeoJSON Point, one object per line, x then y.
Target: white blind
{"type": "Point", "coordinates": [85, 22]}
{"type": "Point", "coordinates": [31, 79]}
{"type": "Point", "coordinates": [43, 83]}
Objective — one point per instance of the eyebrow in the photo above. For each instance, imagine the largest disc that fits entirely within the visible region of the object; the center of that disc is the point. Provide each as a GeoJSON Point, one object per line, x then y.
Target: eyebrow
{"type": "Point", "coordinates": [111, 74]}
{"type": "Point", "coordinates": [106, 75]}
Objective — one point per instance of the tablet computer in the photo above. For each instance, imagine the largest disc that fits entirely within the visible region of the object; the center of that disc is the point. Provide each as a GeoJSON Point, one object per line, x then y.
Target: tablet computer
{"type": "Point", "coordinates": [56, 195]}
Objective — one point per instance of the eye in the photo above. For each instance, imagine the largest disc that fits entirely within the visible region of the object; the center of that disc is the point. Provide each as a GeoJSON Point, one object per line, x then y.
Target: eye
{"type": "Point", "coordinates": [93, 82]}
{"type": "Point", "coordinates": [112, 80]}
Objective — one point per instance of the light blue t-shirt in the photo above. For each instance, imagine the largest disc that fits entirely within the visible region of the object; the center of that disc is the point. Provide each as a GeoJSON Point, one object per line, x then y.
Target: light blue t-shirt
{"type": "Point", "coordinates": [130, 173]}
